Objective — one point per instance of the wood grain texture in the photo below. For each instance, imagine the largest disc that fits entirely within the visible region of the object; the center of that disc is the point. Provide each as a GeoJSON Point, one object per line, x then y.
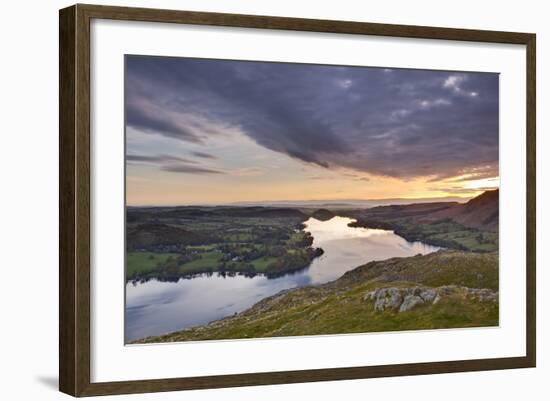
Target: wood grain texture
{"type": "Point", "coordinates": [67, 265]}
{"type": "Point", "coordinates": [74, 199]}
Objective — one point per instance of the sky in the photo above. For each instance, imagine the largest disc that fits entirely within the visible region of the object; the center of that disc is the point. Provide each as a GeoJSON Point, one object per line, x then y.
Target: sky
{"type": "Point", "coordinates": [201, 131]}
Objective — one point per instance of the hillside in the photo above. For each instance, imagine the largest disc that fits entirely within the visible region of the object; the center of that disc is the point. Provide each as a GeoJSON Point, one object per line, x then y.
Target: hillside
{"type": "Point", "coordinates": [148, 235]}
{"type": "Point", "coordinates": [480, 212]}
{"type": "Point", "coordinates": [471, 226]}
{"type": "Point", "coordinates": [445, 289]}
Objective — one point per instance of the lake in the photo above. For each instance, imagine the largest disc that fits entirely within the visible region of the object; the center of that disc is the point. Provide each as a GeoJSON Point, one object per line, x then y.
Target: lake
{"type": "Point", "coordinates": [155, 307]}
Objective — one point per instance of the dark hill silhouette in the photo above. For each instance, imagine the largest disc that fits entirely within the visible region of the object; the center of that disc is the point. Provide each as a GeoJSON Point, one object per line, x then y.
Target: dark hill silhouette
{"type": "Point", "coordinates": [480, 213]}
{"type": "Point", "coordinates": [322, 214]}
{"type": "Point", "coordinates": [260, 211]}
{"type": "Point", "coordinates": [410, 211]}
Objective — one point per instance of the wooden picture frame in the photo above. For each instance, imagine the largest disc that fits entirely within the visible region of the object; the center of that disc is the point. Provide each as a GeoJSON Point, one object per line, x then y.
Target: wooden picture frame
{"type": "Point", "coordinates": [74, 203]}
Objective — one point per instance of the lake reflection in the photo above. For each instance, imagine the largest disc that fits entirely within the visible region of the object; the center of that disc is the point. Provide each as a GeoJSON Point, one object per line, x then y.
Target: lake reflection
{"type": "Point", "coordinates": [154, 307]}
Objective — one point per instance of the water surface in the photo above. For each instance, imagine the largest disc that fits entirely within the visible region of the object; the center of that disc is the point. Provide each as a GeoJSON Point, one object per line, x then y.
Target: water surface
{"type": "Point", "coordinates": [155, 307]}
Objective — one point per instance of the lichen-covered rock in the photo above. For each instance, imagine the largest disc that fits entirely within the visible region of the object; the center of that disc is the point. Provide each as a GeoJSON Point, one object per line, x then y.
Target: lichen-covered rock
{"type": "Point", "coordinates": [428, 295]}
{"type": "Point", "coordinates": [370, 296]}
{"type": "Point", "coordinates": [483, 294]}
{"type": "Point", "coordinates": [409, 302]}
{"type": "Point", "coordinates": [405, 299]}
{"type": "Point", "coordinates": [388, 298]}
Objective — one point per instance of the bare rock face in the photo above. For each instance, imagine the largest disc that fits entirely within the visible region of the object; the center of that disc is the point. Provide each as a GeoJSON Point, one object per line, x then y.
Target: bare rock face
{"type": "Point", "coordinates": [483, 294]}
{"type": "Point", "coordinates": [409, 302]}
{"type": "Point", "coordinates": [388, 298]}
{"type": "Point", "coordinates": [405, 299]}
{"type": "Point", "coordinates": [428, 295]}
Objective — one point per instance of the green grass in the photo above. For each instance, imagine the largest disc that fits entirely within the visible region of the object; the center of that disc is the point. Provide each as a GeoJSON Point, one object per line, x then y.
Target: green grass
{"type": "Point", "coordinates": [207, 261]}
{"type": "Point", "coordinates": [296, 237]}
{"type": "Point", "coordinates": [144, 262]}
{"type": "Point", "coordinates": [261, 264]}
{"type": "Point", "coordinates": [448, 235]}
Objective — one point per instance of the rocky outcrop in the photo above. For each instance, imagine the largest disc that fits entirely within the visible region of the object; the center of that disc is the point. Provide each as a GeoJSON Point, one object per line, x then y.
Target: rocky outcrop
{"type": "Point", "coordinates": [386, 298]}
{"type": "Point", "coordinates": [405, 299]}
{"type": "Point", "coordinates": [483, 294]}
{"type": "Point", "coordinates": [409, 302]}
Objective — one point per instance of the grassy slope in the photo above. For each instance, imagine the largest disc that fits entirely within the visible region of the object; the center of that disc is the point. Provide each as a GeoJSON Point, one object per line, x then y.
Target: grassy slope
{"type": "Point", "coordinates": [339, 307]}
{"type": "Point", "coordinates": [472, 226]}
{"type": "Point", "coordinates": [447, 234]}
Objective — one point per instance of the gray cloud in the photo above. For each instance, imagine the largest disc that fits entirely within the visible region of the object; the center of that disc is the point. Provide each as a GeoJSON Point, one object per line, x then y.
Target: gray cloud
{"type": "Point", "coordinates": [173, 164]}
{"type": "Point", "coordinates": [399, 123]}
{"type": "Point", "coordinates": [185, 168]}
{"type": "Point", "coordinates": [149, 117]}
{"type": "Point", "coordinates": [204, 155]}
{"type": "Point", "coordinates": [156, 159]}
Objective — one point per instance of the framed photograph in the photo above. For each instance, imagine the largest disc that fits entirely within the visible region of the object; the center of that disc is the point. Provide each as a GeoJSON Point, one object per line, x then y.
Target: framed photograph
{"type": "Point", "coordinates": [250, 200]}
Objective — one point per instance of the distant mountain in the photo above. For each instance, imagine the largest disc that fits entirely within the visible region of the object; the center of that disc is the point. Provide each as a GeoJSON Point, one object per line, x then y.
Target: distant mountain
{"type": "Point", "coordinates": [480, 212]}
{"type": "Point", "coordinates": [415, 210]}
{"type": "Point", "coordinates": [333, 204]}
{"type": "Point", "coordinates": [260, 211]}
{"type": "Point", "coordinates": [137, 214]}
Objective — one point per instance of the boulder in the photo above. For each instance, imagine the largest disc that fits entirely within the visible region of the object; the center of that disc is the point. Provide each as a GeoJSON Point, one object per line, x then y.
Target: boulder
{"type": "Point", "coordinates": [388, 298]}
{"type": "Point", "coordinates": [405, 299]}
{"type": "Point", "coordinates": [409, 302]}
{"type": "Point", "coordinates": [428, 295]}
{"type": "Point", "coordinates": [483, 294]}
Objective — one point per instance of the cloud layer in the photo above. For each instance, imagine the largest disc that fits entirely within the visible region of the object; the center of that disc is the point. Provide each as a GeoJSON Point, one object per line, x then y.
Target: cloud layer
{"type": "Point", "coordinates": [390, 122]}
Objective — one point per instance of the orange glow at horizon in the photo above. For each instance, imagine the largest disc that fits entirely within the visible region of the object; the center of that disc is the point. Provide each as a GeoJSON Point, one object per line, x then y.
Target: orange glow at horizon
{"type": "Point", "coordinates": [260, 186]}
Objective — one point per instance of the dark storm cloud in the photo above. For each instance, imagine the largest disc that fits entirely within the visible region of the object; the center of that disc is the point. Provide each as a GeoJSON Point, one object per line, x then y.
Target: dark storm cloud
{"type": "Point", "coordinates": [400, 123]}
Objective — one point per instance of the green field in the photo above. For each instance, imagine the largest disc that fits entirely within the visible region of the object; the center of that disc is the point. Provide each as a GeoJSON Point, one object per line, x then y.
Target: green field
{"type": "Point", "coordinates": [261, 264]}
{"type": "Point", "coordinates": [207, 261]}
{"type": "Point", "coordinates": [169, 243]}
{"type": "Point", "coordinates": [144, 262]}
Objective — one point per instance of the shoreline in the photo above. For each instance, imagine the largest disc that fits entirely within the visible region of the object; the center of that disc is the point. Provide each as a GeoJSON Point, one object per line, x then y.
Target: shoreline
{"type": "Point", "coordinates": [369, 275]}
